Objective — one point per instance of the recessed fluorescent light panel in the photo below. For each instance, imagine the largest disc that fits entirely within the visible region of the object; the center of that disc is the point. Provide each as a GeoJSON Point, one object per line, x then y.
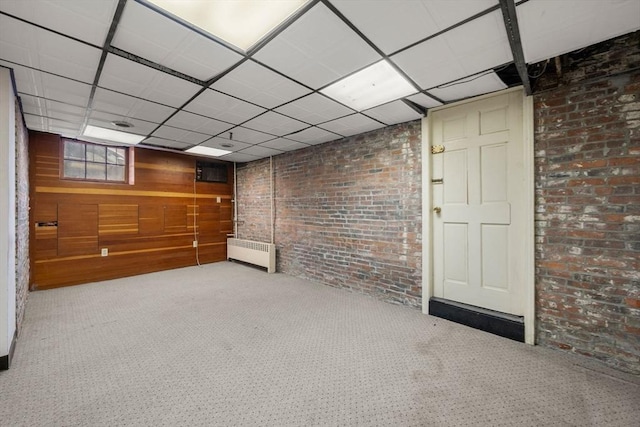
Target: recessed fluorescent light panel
{"type": "Point", "coordinates": [207, 151]}
{"type": "Point", "coordinates": [110, 135]}
{"type": "Point", "coordinates": [372, 86]}
{"type": "Point", "coordinates": [241, 23]}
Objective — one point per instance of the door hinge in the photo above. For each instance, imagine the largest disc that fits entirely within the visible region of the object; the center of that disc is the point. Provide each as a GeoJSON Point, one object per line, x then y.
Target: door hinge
{"type": "Point", "coordinates": [437, 149]}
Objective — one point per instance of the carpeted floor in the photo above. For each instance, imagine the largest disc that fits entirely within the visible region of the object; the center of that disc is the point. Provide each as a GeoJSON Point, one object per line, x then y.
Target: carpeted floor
{"type": "Point", "coordinates": [229, 345]}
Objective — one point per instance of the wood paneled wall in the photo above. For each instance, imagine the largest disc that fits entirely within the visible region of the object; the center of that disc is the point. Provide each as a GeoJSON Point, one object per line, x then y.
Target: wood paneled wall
{"type": "Point", "coordinates": [148, 225]}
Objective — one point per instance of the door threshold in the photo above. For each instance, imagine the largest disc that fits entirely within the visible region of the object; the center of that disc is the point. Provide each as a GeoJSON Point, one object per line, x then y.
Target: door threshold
{"type": "Point", "coordinates": [495, 322]}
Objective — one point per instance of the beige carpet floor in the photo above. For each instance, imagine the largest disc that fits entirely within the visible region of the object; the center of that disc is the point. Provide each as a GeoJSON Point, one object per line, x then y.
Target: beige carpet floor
{"type": "Point", "coordinates": [229, 345]}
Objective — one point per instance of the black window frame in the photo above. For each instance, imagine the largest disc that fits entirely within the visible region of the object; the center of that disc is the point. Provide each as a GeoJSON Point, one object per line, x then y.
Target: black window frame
{"type": "Point", "coordinates": [113, 156]}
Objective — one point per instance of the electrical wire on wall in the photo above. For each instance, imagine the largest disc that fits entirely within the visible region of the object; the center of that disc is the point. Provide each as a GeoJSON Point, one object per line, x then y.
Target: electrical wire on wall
{"type": "Point", "coordinates": [271, 195]}
{"type": "Point", "coordinates": [195, 232]}
{"type": "Point", "coordinates": [235, 202]}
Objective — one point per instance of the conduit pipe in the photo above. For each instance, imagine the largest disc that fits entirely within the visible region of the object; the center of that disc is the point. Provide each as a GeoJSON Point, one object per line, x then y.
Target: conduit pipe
{"type": "Point", "coordinates": [271, 189]}
{"type": "Point", "coordinates": [235, 202]}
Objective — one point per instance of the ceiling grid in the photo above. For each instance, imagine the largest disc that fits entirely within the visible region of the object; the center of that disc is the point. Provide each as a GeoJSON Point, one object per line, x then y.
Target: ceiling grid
{"type": "Point", "coordinates": [79, 63]}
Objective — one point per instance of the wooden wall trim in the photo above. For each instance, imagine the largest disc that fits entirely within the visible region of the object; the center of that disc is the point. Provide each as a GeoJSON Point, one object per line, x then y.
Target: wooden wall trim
{"type": "Point", "coordinates": [131, 193]}
{"type": "Point", "coordinates": [112, 254]}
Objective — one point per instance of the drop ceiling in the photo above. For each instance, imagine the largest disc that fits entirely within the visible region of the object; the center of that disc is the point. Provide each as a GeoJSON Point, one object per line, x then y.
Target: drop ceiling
{"type": "Point", "coordinates": [78, 63]}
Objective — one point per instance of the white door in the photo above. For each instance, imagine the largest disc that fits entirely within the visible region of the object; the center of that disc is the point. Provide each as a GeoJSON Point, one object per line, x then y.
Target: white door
{"type": "Point", "coordinates": [479, 201]}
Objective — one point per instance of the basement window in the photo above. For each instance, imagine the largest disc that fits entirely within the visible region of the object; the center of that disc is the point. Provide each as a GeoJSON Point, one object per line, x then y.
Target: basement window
{"type": "Point", "coordinates": [93, 162]}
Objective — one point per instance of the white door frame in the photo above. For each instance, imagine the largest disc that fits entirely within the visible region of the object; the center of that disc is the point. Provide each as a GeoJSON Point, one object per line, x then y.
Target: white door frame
{"type": "Point", "coordinates": [427, 224]}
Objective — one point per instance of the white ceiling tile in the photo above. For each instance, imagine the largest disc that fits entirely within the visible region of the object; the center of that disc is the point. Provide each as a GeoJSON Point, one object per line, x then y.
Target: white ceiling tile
{"type": "Point", "coordinates": [82, 19]}
{"type": "Point", "coordinates": [151, 35]}
{"type": "Point", "coordinates": [33, 105]}
{"type": "Point", "coordinates": [314, 109]}
{"type": "Point", "coordinates": [259, 85]}
{"type": "Point", "coordinates": [375, 85]}
{"type": "Point", "coordinates": [53, 110]}
{"type": "Point", "coordinates": [314, 135]}
{"type": "Point", "coordinates": [105, 120]}
{"type": "Point", "coordinates": [65, 90]}
{"type": "Point", "coordinates": [180, 135]}
{"type": "Point", "coordinates": [239, 157]}
{"type": "Point", "coordinates": [261, 151]}
{"type": "Point", "coordinates": [317, 49]}
{"type": "Point", "coordinates": [380, 21]}
{"type": "Point", "coordinates": [284, 144]}
{"type": "Point", "coordinates": [477, 46]}
{"type": "Point", "coordinates": [160, 142]}
{"type": "Point", "coordinates": [351, 125]}
{"type": "Point", "coordinates": [197, 123]}
{"type": "Point", "coordinates": [127, 106]}
{"type": "Point", "coordinates": [64, 128]}
{"type": "Point", "coordinates": [275, 124]}
{"type": "Point", "coordinates": [65, 108]}
{"type": "Point", "coordinates": [35, 122]}
{"type": "Point", "coordinates": [27, 80]}
{"type": "Point", "coordinates": [225, 144]}
{"type": "Point", "coordinates": [551, 28]}
{"type": "Point", "coordinates": [217, 105]}
{"type": "Point", "coordinates": [43, 50]}
{"type": "Point", "coordinates": [45, 85]}
{"type": "Point", "coordinates": [138, 80]}
{"type": "Point", "coordinates": [424, 100]}
{"type": "Point", "coordinates": [393, 113]}
{"type": "Point", "coordinates": [76, 121]}
{"type": "Point", "coordinates": [470, 86]}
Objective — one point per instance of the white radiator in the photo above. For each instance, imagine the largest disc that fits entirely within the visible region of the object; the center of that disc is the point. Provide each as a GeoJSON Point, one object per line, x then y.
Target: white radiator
{"type": "Point", "coordinates": [257, 253]}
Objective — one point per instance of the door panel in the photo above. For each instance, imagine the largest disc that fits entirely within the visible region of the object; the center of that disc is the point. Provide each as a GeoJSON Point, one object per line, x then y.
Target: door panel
{"type": "Point", "coordinates": [456, 263]}
{"type": "Point", "coordinates": [476, 250]}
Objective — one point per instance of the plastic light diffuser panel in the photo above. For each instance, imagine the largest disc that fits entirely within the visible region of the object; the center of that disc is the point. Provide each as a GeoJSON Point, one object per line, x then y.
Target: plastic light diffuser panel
{"type": "Point", "coordinates": [372, 86]}
{"type": "Point", "coordinates": [240, 23]}
{"type": "Point", "coordinates": [111, 135]}
{"type": "Point", "coordinates": [207, 151]}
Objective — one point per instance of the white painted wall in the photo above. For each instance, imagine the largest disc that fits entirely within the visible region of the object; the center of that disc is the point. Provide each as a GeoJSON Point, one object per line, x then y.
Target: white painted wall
{"type": "Point", "coordinates": [7, 212]}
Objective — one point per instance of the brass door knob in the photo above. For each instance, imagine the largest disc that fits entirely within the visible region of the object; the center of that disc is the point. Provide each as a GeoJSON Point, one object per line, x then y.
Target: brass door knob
{"type": "Point", "coordinates": [437, 209]}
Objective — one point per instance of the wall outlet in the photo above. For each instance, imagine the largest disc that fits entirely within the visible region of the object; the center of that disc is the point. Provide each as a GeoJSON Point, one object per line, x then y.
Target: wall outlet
{"type": "Point", "coordinates": [218, 199]}
{"type": "Point", "coordinates": [195, 243]}
{"type": "Point", "coordinates": [104, 252]}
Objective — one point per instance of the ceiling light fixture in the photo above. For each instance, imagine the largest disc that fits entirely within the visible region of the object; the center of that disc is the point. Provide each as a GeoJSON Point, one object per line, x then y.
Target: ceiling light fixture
{"type": "Point", "coordinates": [110, 135]}
{"type": "Point", "coordinates": [241, 23]}
{"type": "Point", "coordinates": [375, 85]}
{"type": "Point", "coordinates": [121, 124]}
{"type": "Point", "coordinates": [207, 151]}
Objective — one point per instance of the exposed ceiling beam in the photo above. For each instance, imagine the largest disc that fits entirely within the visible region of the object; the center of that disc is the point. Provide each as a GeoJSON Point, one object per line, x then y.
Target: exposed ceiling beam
{"type": "Point", "coordinates": [508, 8]}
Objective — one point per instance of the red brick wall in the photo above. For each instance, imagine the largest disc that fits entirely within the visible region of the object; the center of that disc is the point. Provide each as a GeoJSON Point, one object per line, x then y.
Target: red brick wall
{"type": "Point", "coordinates": [587, 142]}
{"type": "Point", "coordinates": [347, 212]}
{"type": "Point", "coordinates": [254, 201]}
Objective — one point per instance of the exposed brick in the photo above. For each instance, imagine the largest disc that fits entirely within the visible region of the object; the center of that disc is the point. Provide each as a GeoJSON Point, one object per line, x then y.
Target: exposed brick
{"type": "Point", "coordinates": [22, 218]}
{"type": "Point", "coordinates": [347, 212]}
{"type": "Point", "coordinates": [588, 272]}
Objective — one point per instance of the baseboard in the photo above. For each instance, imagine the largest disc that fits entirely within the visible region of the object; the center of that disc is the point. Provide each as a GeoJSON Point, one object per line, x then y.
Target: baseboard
{"type": "Point", "coordinates": [504, 325]}
{"type": "Point", "coordinates": [5, 361]}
